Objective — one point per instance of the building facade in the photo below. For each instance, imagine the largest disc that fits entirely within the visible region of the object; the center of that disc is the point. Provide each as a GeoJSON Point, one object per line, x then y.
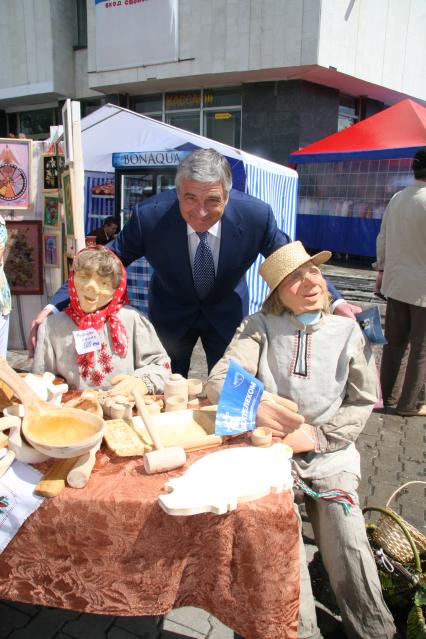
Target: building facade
{"type": "Point", "coordinates": [268, 76]}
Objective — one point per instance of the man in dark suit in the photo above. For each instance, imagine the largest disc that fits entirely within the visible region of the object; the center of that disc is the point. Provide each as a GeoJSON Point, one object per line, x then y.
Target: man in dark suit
{"type": "Point", "coordinates": [200, 240]}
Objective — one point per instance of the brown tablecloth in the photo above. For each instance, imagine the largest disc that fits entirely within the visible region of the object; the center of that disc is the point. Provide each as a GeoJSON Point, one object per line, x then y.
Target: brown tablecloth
{"type": "Point", "coordinates": [110, 549]}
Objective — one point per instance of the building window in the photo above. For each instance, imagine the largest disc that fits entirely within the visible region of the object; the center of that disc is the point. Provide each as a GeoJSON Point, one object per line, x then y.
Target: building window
{"type": "Point", "coordinates": [214, 113]}
{"type": "Point", "coordinates": [88, 105]}
{"type": "Point", "coordinates": [348, 112]}
{"type": "Point", "coordinates": [223, 126]}
{"type": "Point", "coordinates": [81, 25]}
{"type": "Point", "coordinates": [151, 105]}
{"type": "Point", "coordinates": [222, 97]}
{"type": "Point", "coordinates": [36, 124]}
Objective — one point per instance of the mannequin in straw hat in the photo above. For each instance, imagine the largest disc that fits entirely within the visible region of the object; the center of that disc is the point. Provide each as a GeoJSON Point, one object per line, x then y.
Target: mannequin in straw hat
{"type": "Point", "coordinates": [323, 364]}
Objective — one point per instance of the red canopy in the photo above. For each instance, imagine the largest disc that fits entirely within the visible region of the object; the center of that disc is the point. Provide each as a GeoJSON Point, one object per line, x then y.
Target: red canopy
{"type": "Point", "coordinates": [401, 126]}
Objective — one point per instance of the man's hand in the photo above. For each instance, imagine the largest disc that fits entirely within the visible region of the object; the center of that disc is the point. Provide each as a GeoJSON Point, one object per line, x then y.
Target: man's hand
{"type": "Point", "coordinates": [278, 414]}
{"type": "Point", "coordinates": [32, 338]}
{"type": "Point", "coordinates": [378, 284]}
{"type": "Point", "coordinates": [347, 310]}
{"type": "Point", "coordinates": [124, 384]}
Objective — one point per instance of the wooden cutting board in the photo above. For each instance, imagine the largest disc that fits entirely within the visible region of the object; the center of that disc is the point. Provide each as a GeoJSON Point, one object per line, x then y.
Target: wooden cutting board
{"type": "Point", "coordinates": [122, 439]}
{"type": "Point", "coordinates": [190, 429]}
{"type": "Point", "coordinates": [218, 482]}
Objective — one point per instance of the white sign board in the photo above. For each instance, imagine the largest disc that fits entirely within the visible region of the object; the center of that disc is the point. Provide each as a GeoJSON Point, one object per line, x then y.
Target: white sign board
{"type": "Point", "coordinates": [133, 33]}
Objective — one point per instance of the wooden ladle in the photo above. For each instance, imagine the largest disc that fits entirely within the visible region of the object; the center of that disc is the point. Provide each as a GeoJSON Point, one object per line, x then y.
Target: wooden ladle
{"type": "Point", "coordinates": [36, 409]}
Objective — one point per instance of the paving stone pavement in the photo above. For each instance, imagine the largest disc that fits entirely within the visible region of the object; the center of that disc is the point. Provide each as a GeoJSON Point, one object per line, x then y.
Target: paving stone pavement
{"type": "Point", "coordinates": [392, 452]}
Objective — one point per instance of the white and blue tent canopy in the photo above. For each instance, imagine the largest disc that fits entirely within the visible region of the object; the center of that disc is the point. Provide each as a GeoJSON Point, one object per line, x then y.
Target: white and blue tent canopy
{"type": "Point", "coordinates": [112, 129]}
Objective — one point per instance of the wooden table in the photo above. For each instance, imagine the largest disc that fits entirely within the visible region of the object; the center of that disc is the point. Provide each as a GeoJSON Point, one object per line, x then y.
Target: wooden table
{"type": "Point", "coordinates": [110, 549]}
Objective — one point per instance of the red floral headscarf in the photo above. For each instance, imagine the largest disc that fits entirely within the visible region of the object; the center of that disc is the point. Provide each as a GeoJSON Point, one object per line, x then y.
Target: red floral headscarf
{"type": "Point", "coordinates": [88, 361]}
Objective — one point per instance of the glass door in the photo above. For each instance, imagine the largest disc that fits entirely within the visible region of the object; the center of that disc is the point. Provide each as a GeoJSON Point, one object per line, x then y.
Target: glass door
{"type": "Point", "coordinates": [134, 189]}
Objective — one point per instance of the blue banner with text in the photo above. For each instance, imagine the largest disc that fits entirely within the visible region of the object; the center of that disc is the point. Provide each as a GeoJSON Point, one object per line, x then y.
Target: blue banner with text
{"type": "Point", "coordinates": [240, 397]}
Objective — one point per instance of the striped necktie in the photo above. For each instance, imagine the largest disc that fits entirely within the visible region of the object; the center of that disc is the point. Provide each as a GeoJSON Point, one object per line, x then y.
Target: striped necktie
{"type": "Point", "coordinates": [203, 268]}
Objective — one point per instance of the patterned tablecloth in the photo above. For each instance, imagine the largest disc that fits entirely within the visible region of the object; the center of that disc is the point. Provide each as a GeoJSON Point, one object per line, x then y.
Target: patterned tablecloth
{"type": "Point", "coordinates": [110, 549]}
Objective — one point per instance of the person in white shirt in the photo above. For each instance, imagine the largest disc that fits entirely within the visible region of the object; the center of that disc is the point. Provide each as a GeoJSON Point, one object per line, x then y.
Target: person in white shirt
{"type": "Point", "coordinates": [401, 262]}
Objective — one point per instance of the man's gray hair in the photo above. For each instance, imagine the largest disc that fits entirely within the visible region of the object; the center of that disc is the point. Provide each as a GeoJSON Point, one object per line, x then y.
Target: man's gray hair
{"type": "Point", "coordinates": [205, 165]}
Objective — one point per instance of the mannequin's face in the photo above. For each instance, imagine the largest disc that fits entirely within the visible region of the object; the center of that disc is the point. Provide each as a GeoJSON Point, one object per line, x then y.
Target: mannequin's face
{"type": "Point", "coordinates": [94, 291]}
{"type": "Point", "coordinates": [304, 290]}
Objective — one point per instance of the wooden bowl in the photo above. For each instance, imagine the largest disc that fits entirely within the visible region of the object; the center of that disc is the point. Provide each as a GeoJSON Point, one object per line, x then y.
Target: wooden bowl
{"type": "Point", "coordinates": [58, 438]}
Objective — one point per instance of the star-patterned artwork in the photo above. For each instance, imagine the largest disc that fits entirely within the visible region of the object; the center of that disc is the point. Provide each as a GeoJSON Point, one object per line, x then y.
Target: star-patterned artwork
{"type": "Point", "coordinates": [15, 157]}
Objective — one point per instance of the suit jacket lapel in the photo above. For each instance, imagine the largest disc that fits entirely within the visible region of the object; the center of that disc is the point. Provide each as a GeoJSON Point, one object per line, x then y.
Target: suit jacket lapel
{"type": "Point", "coordinates": [229, 237]}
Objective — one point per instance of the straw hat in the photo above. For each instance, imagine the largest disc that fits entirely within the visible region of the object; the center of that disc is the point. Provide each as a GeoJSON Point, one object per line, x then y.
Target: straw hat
{"type": "Point", "coordinates": [286, 260]}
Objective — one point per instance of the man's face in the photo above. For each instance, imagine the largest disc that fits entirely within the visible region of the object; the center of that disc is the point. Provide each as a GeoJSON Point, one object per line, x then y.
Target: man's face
{"type": "Point", "coordinates": [201, 203]}
{"type": "Point", "coordinates": [111, 228]}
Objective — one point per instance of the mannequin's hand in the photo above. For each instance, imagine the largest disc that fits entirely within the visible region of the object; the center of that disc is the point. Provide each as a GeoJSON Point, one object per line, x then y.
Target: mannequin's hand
{"type": "Point", "coordinates": [301, 440]}
{"type": "Point", "coordinates": [32, 338]}
{"type": "Point", "coordinates": [347, 310]}
{"type": "Point", "coordinates": [124, 384]}
{"type": "Point", "coordinates": [278, 414]}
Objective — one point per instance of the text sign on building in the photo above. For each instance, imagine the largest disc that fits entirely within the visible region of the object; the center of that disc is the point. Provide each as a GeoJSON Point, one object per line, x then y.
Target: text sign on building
{"type": "Point", "coordinates": [133, 33]}
{"type": "Point", "coordinates": [137, 159]}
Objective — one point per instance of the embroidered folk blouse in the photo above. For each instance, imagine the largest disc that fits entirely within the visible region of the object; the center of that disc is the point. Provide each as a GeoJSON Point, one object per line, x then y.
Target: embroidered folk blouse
{"type": "Point", "coordinates": [145, 357]}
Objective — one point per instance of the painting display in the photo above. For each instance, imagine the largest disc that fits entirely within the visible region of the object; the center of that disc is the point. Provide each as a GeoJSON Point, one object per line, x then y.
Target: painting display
{"type": "Point", "coordinates": [15, 155]}
{"type": "Point", "coordinates": [51, 211]}
{"type": "Point", "coordinates": [52, 166]}
{"type": "Point", "coordinates": [51, 246]}
{"type": "Point", "coordinates": [23, 266]}
{"type": "Point", "coordinates": [68, 203]}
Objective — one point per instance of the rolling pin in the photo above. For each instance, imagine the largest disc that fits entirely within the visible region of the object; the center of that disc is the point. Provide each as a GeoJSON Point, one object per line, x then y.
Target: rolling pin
{"type": "Point", "coordinates": [53, 482]}
{"type": "Point", "coordinates": [80, 473]}
{"type": "Point", "coordinates": [161, 459]}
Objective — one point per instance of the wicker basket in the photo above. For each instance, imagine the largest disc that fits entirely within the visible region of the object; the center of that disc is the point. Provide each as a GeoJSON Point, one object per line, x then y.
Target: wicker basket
{"type": "Point", "coordinates": [388, 532]}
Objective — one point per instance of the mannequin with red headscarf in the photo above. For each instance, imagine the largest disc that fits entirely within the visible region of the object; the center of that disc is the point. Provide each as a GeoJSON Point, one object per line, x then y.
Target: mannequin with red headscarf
{"type": "Point", "coordinates": [98, 341]}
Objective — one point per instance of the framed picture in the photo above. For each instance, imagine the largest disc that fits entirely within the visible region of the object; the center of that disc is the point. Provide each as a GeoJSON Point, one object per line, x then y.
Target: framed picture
{"type": "Point", "coordinates": [68, 203]}
{"type": "Point", "coordinates": [15, 162]}
{"type": "Point", "coordinates": [52, 249]}
{"type": "Point", "coordinates": [60, 160]}
{"type": "Point", "coordinates": [50, 172]}
{"type": "Point", "coordinates": [24, 262]}
{"type": "Point", "coordinates": [51, 211]}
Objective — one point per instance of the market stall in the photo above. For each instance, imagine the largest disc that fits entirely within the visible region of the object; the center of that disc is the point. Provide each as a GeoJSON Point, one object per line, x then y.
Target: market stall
{"type": "Point", "coordinates": [347, 179]}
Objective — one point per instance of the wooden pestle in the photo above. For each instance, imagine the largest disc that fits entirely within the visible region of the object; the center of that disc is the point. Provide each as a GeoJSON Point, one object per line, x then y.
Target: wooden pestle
{"type": "Point", "coordinates": [80, 473]}
{"type": "Point", "coordinates": [161, 459]}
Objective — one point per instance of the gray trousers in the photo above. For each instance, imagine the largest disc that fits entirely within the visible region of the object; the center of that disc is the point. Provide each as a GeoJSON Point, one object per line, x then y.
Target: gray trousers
{"type": "Point", "coordinates": [347, 557]}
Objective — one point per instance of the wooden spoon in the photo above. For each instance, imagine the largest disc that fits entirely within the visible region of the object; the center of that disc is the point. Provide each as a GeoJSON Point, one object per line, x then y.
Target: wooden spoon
{"type": "Point", "coordinates": [36, 409]}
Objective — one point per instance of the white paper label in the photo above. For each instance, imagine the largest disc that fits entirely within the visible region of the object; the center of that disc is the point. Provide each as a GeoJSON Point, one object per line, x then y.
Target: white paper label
{"type": "Point", "coordinates": [86, 341]}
